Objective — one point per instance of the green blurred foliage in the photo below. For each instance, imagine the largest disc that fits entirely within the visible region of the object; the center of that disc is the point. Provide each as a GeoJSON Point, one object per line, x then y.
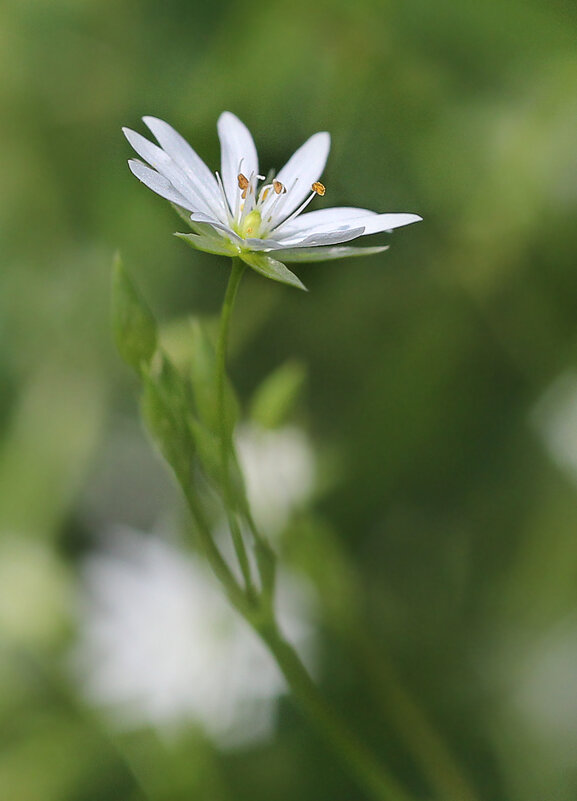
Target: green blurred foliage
{"type": "Point", "coordinates": [446, 526]}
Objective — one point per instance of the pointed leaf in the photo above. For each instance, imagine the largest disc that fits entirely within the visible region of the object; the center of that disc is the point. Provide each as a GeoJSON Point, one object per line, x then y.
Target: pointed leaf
{"type": "Point", "coordinates": [275, 399]}
{"type": "Point", "coordinates": [167, 429]}
{"type": "Point", "coordinates": [203, 379]}
{"type": "Point", "coordinates": [133, 323]}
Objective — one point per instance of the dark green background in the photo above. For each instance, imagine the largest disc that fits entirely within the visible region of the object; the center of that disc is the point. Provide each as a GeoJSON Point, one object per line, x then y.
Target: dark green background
{"type": "Point", "coordinates": [425, 362]}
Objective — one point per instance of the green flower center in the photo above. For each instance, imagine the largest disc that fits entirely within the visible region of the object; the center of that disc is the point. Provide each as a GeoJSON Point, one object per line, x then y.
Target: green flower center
{"type": "Point", "coordinates": [250, 225]}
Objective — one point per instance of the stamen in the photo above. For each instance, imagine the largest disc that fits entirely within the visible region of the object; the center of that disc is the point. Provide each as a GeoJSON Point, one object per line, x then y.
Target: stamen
{"type": "Point", "coordinates": [223, 193]}
{"type": "Point", "coordinates": [242, 182]}
{"type": "Point", "coordinates": [274, 210]}
{"type": "Point", "coordinates": [317, 189]}
{"type": "Point", "coordinates": [278, 187]}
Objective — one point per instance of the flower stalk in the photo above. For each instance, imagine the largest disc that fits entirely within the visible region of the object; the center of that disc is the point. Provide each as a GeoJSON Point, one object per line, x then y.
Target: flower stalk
{"type": "Point", "coordinates": [259, 610]}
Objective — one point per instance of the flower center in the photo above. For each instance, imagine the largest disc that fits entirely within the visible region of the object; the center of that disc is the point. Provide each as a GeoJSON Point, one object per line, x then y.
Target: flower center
{"type": "Point", "coordinates": [250, 225]}
{"type": "Point", "coordinates": [258, 214]}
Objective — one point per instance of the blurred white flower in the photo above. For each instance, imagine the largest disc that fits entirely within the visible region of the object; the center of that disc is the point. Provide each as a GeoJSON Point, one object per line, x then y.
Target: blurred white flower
{"type": "Point", "coordinates": [555, 419]}
{"type": "Point", "coordinates": [279, 470]}
{"type": "Point", "coordinates": [158, 645]}
{"type": "Point", "coordinates": [545, 690]}
{"type": "Point", "coordinates": [231, 215]}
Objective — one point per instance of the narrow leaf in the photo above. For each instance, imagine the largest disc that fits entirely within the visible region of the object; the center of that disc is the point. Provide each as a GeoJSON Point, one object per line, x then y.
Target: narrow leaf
{"type": "Point", "coordinates": [275, 398]}
{"type": "Point", "coordinates": [133, 323]}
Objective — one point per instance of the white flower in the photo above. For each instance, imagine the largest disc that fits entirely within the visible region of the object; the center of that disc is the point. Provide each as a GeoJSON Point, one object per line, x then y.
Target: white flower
{"type": "Point", "coordinates": [232, 215]}
{"type": "Point", "coordinates": [279, 471]}
{"type": "Point", "coordinates": [159, 646]}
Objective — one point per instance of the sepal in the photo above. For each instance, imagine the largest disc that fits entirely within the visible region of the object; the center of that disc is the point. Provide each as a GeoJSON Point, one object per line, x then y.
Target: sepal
{"type": "Point", "coordinates": [271, 268]}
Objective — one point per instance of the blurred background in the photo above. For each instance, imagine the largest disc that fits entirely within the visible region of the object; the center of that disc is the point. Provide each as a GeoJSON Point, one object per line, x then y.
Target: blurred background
{"type": "Point", "coordinates": [440, 506]}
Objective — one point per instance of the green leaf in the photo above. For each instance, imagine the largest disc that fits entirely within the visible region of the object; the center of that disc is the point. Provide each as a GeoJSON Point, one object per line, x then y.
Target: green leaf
{"type": "Point", "coordinates": [276, 397]}
{"type": "Point", "coordinates": [271, 268]}
{"type": "Point", "coordinates": [203, 380]}
{"type": "Point", "coordinates": [133, 323]}
{"type": "Point", "coordinates": [296, 255]}
{"type": "Point", "coordinates": [167, 424]}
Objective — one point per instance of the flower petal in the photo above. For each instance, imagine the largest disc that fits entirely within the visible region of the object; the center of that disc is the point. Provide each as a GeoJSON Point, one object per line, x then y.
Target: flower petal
{"type": "Point", "coordinates": [301, 171]}
{"type": "Point", "coordinates": [386, 222]}
{"type": "Point", "coordinates": [298, 255]}
{"type": "Point", "coordinates": [188, 160]}
{"type": "Point", "coordinates": [325, 220]}
{"type": "Point", "coordinates": [198, 217]}
{"type": "Point", "coordinates": [271, 268]}
{"type": "Point", "coordinates": [158, 183]}
{"type": "Point", "coordinates": [238, 154]}
{"type": "Point", "coordinates": [162, 162]}
{"type": "Point", "coordinates": [328, 238]}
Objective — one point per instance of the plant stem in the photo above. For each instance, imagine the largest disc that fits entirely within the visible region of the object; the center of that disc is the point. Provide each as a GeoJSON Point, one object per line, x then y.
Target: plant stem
{"type": "Point", "coordinates": [370, 774]}
{"type": "Point", "coordinates": [238, 268]}
{"type": "Point", "coordinates": [376, 780]}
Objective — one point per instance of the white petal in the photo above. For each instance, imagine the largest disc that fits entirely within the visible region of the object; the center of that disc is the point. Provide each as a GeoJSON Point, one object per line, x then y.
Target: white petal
{"type": "Point", "coordinates": [326, 220]}
{"type": "Point", "coordinates": [187, 159]}
{"type": "Point", "coordinates": [323, 238]}
{"type": "Point", "coordinates": [301, 171]}
{"type": "Point", "coordinates": [162, 162]}
{"type": "Point", "coordinates": [158, 183]}
{"type": "Point", "coordinates": [238, 154]}
{"type": "Point", "coordinates": [386, 222]}
{"type": "Point", "coordinates": [323, 218]}
{"type": "Point", "coordinates": [198, 217]}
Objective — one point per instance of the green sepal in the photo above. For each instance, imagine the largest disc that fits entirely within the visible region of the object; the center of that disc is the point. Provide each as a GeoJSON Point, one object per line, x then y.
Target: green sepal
{"type": "Point", "coordinates": [134, 326]}
{"type": "Point", "coordinates": [298, 255]}
{"type": "Point", "coordinates": [207, 244]}
{"type": "Point", "coordinates": [183, 214]}
{"type": "Point", "coordinates": [271, 268]}
{"type": "Point", "coordinates": [275, 399]}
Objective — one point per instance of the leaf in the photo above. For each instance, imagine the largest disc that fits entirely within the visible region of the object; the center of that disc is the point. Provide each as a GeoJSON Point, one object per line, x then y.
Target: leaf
{"type": "Point", "coordinates": [162, 412]}
{"type": "Point", "coordinates": [134, 326]}
{"type": "Point", "coordinates": [203, 380]}
{"type": "Point", "coordinates": [271, 268]}
{"type": "Point", "coordinates": [275, 398]}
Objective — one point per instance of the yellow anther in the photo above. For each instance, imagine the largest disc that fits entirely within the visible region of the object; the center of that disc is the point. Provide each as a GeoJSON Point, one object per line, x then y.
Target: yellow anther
{"type": "Point", "coordinates": [242, 181]}
{"type": "Point", "coordinates": [265, 194]}
{"type": "Point", "coordinates": [278, 187]}
{"type": "Point", "coordinates": [318, 188]}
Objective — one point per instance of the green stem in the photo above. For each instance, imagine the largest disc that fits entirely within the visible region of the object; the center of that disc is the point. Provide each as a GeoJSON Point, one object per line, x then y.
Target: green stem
{"type": "Point", "coordinates": [238, 268]}
{"type": "Point", "coordinates": [378, 783]}
{"type": "Point", "coordinates": [214, 556]}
